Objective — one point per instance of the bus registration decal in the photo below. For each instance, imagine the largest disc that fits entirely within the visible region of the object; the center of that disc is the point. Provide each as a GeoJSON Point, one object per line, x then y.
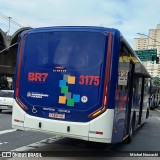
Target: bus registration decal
{"type": "Point", "coordinates": [89, 80]}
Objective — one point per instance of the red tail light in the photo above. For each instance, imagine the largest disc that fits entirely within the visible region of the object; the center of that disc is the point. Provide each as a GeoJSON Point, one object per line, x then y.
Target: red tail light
{"type": "Point", "coordinates": [19, 74]}
{"type": "Point", "coordinates": [106, 80]}
{"type": "Point", "coordinates": [17, 92]}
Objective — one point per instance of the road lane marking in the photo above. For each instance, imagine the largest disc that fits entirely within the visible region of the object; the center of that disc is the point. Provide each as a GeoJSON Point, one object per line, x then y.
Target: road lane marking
{"type": "Point", "coordinates": [157, 110]}
{"type": "Point", "coordinates": [37, 144]}
{"type": "Point", "coordinates": [7, 131]}
{"type": "Point", "coordinates": [3, 143]}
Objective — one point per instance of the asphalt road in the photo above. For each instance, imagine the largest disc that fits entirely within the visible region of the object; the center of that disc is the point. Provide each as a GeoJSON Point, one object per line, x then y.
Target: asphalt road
{"type": "Point", "coordinates": [11, 139]}
{"type": "Point", "coordinates": [5, 120]}
{"type": "Point", "coordinates": [146, 138]}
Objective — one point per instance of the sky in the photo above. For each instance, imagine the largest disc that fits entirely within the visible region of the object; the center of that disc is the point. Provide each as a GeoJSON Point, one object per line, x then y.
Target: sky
{"type": "Point", "coordinates": [128, 16]}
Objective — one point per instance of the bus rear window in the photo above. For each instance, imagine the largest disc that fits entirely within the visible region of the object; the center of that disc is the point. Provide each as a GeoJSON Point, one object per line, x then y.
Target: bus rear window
{"type": "Point", "coordinates": [69, 49]}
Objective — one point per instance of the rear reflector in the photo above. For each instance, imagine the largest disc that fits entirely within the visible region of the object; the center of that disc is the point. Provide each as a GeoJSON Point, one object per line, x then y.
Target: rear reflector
{"type": "Point", "coordinates": [99, 132]}
{"type": "Point", "coordinates": [20, 121]}
{"type": "Point", "coordinates": [96, 132]}
{"type": "Point", "coordinates": [16, 120]}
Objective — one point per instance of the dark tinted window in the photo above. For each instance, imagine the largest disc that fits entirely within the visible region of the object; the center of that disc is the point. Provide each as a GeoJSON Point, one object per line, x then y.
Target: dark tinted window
{"type": "Point", "coordinates": [6, 94]}
{"type": "Point", "coordinates": [68, 49]}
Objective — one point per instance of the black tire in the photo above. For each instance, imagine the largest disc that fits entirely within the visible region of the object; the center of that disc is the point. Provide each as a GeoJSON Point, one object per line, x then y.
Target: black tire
{"type": "Point", "coordinates": [130, 136]}
{"type": "Point", "coordinates": [0, 110]}
{"type": "Point", "coordinates": [152, 108]}
{"type": "Point", "coordinates": [147, 114]}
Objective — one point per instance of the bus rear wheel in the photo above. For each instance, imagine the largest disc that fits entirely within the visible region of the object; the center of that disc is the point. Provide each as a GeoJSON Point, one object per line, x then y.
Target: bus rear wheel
{"type": "Point", "coordinates": [130, 135]}
{"type": "Point", "coordinates": [147, 114]}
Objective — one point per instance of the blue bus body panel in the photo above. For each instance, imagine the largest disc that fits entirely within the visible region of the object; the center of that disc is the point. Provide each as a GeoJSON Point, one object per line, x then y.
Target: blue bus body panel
{"type": "Point", "coordinates": [63, 71]}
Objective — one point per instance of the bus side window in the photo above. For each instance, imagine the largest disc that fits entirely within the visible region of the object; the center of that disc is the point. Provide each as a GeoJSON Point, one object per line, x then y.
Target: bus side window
{"type": "Point", "coordinates": [123, 74]}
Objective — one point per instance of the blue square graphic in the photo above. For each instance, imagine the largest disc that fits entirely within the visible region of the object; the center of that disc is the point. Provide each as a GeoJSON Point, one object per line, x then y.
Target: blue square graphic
{"type": "Point", "coordinates": [76, 97]}
{"type": "Point", "coordinates": [62, 83]}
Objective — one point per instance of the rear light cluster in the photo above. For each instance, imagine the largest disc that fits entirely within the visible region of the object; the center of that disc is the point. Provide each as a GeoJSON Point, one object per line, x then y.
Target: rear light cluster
{"type": "Point", "coordinates": [96, 132]}
{"type": "Point", "coordinates": [17, 91]}
{"type": "Point", "coordinates": [105, 96]}
{"type": "Point", "coordinates": [19, 74]}
{"type": "Point", "coordinates": [107, 79]}
{"type": "Point", "coordinates": [19, 121]}
{"type": "Point", "coordinates": [21, 104]}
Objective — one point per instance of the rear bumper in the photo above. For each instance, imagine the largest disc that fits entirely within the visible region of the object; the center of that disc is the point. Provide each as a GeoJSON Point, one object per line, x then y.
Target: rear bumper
{"type": "Point", "coordinates": [86, 131]}
{"type": "Point", "coordinates": [6, 107]}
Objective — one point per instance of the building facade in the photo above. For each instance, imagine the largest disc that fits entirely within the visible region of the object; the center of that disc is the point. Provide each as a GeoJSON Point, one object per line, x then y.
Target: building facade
{"type": "Point", "coordinates": [152, 41]}
{"type": "Point", "coordinates": [8, 54]}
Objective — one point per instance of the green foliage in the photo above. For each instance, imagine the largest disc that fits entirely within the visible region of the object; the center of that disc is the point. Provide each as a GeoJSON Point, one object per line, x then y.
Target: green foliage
{"type": "Point", "coordinates": [156, 81]}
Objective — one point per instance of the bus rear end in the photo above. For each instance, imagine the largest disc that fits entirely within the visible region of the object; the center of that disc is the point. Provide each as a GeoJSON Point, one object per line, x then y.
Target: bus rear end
{"type": "Point", "coordinates": [61, 84]}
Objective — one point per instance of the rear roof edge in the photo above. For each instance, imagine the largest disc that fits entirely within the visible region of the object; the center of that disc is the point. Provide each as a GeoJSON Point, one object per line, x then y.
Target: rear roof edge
{"type": "Point", "coordinates": [73, 28]}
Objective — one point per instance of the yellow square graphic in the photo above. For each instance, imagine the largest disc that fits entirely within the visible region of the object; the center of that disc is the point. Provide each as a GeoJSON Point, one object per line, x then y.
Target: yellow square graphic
{"type": "Point", "coordinates": [71, 79]}
{"type": "Point", "coordinates": [62, 99]}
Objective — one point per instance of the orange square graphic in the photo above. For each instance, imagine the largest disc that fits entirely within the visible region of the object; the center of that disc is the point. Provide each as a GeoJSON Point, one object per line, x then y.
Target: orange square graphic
{"type": "Point", "coordinates": [62, 99]}
{"type": "Point", "coordinates": [71, 79]}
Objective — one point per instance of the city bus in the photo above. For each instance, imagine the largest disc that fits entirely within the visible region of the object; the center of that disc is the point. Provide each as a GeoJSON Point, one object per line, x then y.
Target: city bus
{"type": "Point", "coordinates": [155, 97]}
{"type": "Point", "coordinates": [80, 82]}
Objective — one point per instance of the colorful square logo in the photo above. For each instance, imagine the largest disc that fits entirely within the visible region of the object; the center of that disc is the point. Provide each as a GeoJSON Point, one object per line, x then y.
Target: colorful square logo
{"type": "Point", "coordinates": [64, 89]}
{"type": "Point", "coordinates": [68, 99]}
{"type": "Point", "coordinates": [62, 83]}
{"type": "Point", "coordinates": [76, 97]}
{"type": "Point", "coordinates": [62, 99]}
{"type": "Point", "coordinates": [70, 102]}
{"type": "Point", "coordinates": [71, 79]}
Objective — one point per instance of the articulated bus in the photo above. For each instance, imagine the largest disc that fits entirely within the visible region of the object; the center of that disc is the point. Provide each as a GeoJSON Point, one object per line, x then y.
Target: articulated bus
{"type": "Point", "coordinates": [80, 82]}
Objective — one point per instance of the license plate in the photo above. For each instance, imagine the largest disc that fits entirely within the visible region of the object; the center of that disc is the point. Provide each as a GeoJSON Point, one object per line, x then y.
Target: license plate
{"type": "Point", "coordinates": [56, 115]}
{"type": "Point", "coordinates": [5, 107]}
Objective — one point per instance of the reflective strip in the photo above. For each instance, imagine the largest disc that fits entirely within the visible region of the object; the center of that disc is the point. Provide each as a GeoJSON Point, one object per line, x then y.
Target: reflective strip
{"type": "Point", "coordinates": [16, 120]}
{"type": "Point", "coordinates": [96, 132]}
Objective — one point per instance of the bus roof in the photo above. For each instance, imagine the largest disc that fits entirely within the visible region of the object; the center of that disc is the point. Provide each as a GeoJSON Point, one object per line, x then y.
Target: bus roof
{"type": "Point", "coordinates": [140, 67]}
{"type": "Point", "coordinates": [76, 28]}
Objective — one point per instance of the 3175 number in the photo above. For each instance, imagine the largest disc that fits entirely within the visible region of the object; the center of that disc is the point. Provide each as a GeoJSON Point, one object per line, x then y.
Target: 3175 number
{"type": "Point", "coordinates": [89, 80]}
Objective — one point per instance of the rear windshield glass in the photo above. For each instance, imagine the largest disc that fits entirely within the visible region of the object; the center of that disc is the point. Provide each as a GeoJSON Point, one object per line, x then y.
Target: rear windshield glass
{"type": "Point", "coordinates": [6, 94]}
{"type": "Point", "coordinates": [68, 49]}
